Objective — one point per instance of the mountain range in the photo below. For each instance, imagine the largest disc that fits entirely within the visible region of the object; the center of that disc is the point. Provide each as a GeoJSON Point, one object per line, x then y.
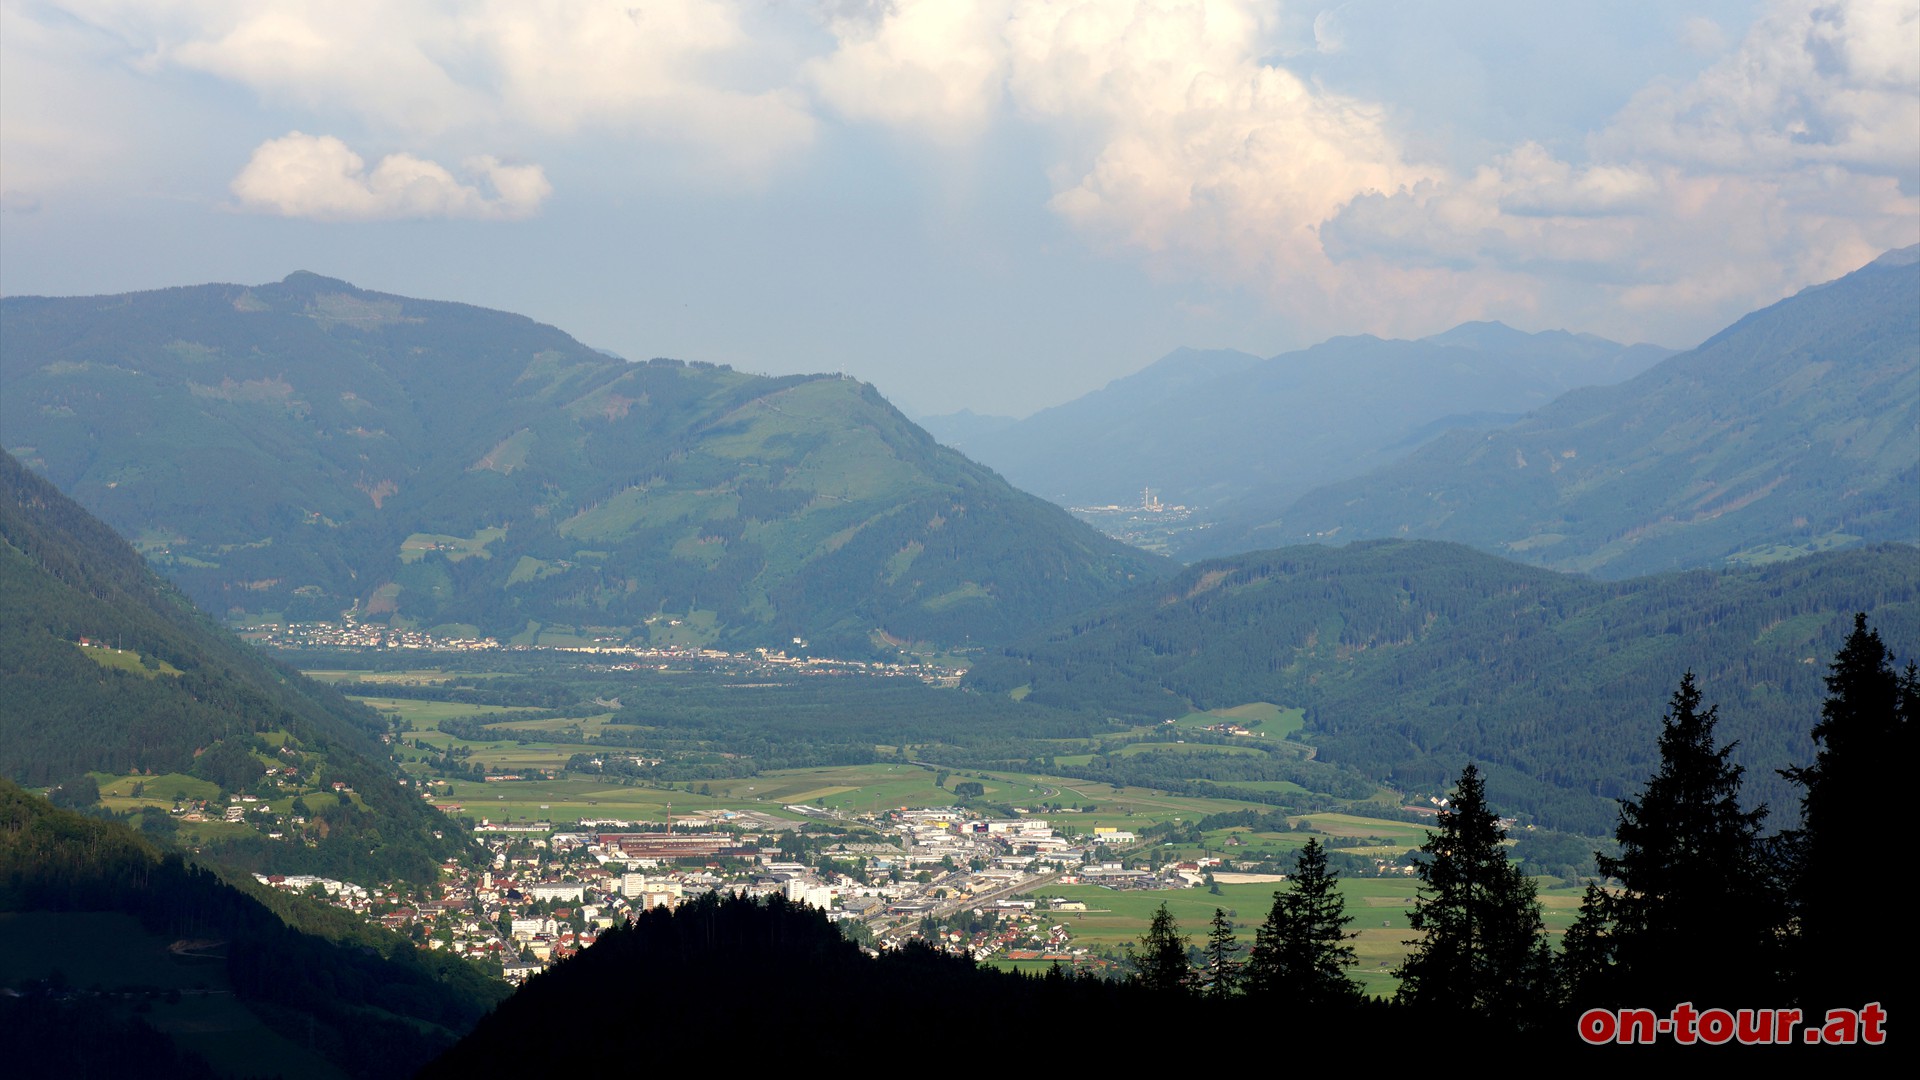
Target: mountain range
{"type": "Point", "coordinates": [302, 449]}
{"type": "Point", "coordinates": [1209, 427]}
{"type": "Point", "coordinates": [1796, 429]}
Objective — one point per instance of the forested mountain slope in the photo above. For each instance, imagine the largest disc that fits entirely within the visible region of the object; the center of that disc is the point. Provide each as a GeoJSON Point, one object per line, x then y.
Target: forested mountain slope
{"type": "Point", "coordinates": [303, 448]}
{"type": "Point", "coordinates": [160, 690]}
{"type": "Point", "coordinates": [160, 962]}
{"type": "Point", "coordinates": [1412, 658]}
{"type": "Point", "coordinates": [1795, 429]}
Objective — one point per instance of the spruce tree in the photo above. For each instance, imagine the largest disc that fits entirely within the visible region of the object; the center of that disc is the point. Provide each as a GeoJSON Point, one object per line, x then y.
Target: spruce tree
{"type": "Point", "coordinates": [1223, 958]}
{"type": "Point", "coordinates": [1584, 968]}
{"type": "Point", "coordinates": [1485, 949]}
{"type": "Point", "coordinates": [1301, 953]}
{"type": "Point", "coordinates": [1852, 789]}
{"type": "Point", "coordinates": [1695, 914]}
{"type": "Point", "coordinates": [1161, 963]}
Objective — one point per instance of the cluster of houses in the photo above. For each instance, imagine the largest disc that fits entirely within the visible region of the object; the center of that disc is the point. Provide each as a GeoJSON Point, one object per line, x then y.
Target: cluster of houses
{"type": "Point", "coordinates": [1014, 930]}
{"type": "Point", "coordinates": [353, 633]}
{"type": "Point", "coordinates": [547, 890]}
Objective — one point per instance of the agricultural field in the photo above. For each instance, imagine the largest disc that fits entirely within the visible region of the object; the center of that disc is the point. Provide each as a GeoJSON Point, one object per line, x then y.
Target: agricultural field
{"type": "Point", "coordinates": [426, 715]}
{"type": "Point", "coordinates": [407, 677]}
{"type": "Point", "coordinates": [569, 800]}
{"type": "Point", "coordinates": [854, 789]}
{"type": "Point", "coordinates": [861, 788]}
{"type": "Point", "coordinates": [1260, 717]}
{"type": "Point", "coordinates": [1078, 806]}
{"type": "Point", "coordinates": [1115, 919]}
{"type": "Point", "coordinates": [550, 792]}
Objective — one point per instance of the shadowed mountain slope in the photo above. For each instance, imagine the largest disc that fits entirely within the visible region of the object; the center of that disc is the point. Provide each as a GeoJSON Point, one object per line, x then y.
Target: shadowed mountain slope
{"type": "Point", "coordinates": [187, 975]}
{"type": "Point", "coordinates": [159, 690]}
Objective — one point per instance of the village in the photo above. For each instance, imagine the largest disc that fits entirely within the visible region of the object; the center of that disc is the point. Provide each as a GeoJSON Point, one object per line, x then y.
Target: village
{"type": "Point", "coordinates": [353, 633]}
{"type": "Point", "coordinates": [942, 875]}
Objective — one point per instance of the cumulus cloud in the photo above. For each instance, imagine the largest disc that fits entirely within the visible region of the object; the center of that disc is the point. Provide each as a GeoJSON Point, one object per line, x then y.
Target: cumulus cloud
{"type": "Point", "coordinates": [1177, 137]}
{"type": "Point", "coordinates": [1779, 165]}
{"type": "Point", "coordinates": [1703, 36]}
{"type": "Point", "coordinates": [671, 70]}
{"type": "Point", "coordinates": [1174, 136]}
{"type": "Point", "coordinates": [1813, 81]}
{"type": "Point", "coordinates": [319, 177]}
{"type": "Point", "coordinates": [935, 68]}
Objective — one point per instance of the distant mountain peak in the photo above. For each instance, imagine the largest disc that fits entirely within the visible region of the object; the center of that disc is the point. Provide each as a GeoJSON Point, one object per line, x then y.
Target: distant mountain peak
{"type": "Point", "coordinates": [1492, 334]}
{"type": "Point", "coordinates": [308, 281]}
{"type": "Point", "coordinates": [1905, 256]}
{"type": "Point", "coordinates": [1478, 328]}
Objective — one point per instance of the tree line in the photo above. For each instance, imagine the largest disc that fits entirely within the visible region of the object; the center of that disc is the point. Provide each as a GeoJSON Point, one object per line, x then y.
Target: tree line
{"type": "Point", "coordinates": [1700, 905]}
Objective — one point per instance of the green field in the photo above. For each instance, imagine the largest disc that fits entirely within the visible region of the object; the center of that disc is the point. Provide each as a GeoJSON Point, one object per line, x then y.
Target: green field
{"type": "Point", "coordinates": [1397, 833]}
{"type": "Point", "coordinates": [1116, 919]}
{"type": "Point", "coordinates": [428, 714]}
{"type": "Point", "coordinates": [1261, 717]}
{"type": "Point", "coordinates": [452, 548]}
{"type": "Point", "coordinates": [126, 660]}
{"type": "Point", "coordinates": [1379, 907]}
{"type": "Point", "coordinates": [1248, 844]}
{"type": "Point", "coordinates": [854, 789]}
{"type": "Point", "coordinates": [1196, 749]}
{"type": "Point", "coordinates": [569, 800]}
{"type": "Point", "coordinates": [410, 677]}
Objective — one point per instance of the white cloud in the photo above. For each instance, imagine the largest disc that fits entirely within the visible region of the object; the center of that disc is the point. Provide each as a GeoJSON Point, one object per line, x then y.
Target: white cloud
{"type": "Point", "coordinates": [65, 124]}
{"type": "Point", "coordinates": [935, 68]}
{"type": "Point", "coordinates": [666, 70]}
{"type": "Point", "coordinates": [1703, 36]}
{"type": "Point", "coordinates": [659, 70]}
{"type": "Point", "coordinates": [319, 177]}
{"type": "Point", "coordinates": [1174, 136]}
{"type": "Point", "coordinates": [1328, 35]}
{"type": "Point", "coordinates": [1813, 81]}
{"type": "Point", "coordinates": [1777, 166]}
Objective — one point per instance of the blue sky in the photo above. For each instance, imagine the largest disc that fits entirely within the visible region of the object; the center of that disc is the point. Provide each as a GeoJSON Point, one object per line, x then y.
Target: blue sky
{"type": "Point", "coordinates": [993, 205]}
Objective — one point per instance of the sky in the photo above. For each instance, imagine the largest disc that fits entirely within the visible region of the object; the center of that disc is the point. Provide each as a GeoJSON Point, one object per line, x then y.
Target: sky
{"type": "Point", "coordinates": [997, 205]}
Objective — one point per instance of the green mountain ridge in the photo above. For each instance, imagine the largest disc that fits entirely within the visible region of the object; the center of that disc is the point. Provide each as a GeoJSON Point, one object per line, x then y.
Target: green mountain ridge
{"type": "Point", "coordinates": [161, 691]}
{"type": "Point", "coordinates": [1413, 657]}
{"type": "Point", "coordinates": [1796, 429]}
{"type": "Point", "coordinates": [301, 449]}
